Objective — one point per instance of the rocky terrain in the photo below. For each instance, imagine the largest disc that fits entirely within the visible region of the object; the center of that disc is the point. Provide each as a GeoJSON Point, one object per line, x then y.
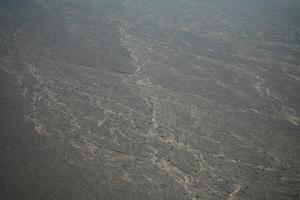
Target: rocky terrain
{"type": "Point", "coordinates": [140, 100]}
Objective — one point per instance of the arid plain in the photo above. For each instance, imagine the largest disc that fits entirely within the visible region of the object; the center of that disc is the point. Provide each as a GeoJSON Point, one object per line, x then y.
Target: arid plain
{"type": "Point", "coordinates": [140, 100]}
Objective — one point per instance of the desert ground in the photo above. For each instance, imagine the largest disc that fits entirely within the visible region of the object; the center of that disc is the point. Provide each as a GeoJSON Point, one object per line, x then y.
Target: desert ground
{"type": "Point", "coordinates": [150, 100]}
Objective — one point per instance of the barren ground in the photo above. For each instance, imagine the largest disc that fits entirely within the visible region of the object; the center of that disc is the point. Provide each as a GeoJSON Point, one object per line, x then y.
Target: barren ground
{"type": "Point", "coordinates": [140, 100]}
